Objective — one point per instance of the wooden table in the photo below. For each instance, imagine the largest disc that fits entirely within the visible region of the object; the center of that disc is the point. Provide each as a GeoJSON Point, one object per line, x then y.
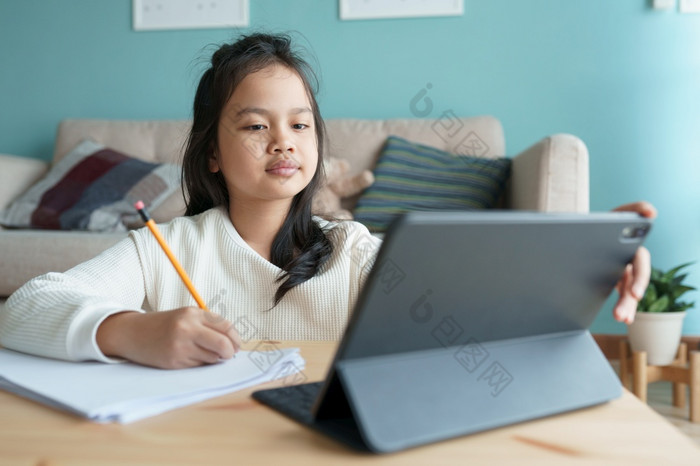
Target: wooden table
{"type": "Point", "coordinates": [235, 429]}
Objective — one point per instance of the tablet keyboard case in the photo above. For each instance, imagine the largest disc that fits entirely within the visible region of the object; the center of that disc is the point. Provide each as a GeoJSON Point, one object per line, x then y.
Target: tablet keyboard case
{"type": "Point", "coordinates": [421, 363]}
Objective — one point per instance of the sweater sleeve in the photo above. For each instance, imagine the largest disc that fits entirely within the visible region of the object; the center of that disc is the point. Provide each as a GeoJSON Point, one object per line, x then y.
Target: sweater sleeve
{"type": "Point", "coordinates": [363, 247]}
{"type": "Point", "coordinates": [368, 256]}
{"type": "Point", "coordinates": [57, 315]}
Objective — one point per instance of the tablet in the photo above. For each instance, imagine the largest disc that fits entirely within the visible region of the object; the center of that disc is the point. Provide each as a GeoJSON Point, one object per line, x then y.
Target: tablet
{"type": "Point", "coordinates": [469, 322]}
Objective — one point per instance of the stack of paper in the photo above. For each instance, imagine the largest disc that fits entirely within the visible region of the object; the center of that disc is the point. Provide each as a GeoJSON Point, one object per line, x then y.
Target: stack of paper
{"type": "Point", "coordinates": [128, 392]}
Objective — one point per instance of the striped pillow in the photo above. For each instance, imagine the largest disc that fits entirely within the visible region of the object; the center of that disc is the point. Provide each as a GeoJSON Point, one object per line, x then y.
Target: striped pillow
{"type": "Point", "coordinates": [412, 176]}
{"type": "Point", "coordinates": [92, 188]}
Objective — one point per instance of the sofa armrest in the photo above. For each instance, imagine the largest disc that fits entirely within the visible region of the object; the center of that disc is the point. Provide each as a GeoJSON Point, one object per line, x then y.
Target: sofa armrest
{"type": "Point", "coordinates": [551, 176]}
{"type": "Point", "coordinates": [17, 174]}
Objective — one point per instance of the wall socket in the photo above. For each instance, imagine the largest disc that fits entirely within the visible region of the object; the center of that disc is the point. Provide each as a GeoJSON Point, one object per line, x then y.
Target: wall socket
{"type": "Point", "coordinates": [188, 14]}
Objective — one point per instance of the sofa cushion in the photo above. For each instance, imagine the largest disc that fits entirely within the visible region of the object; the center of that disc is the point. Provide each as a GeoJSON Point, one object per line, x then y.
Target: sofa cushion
{"type": "Point", "coordinates": [17, 175]}
{"type": "Point", "coordinates": [92, 188]}
{"type": "Point", "coordinates": [412, 176]}
{"type": "Point", "coordinates": [158, 141]}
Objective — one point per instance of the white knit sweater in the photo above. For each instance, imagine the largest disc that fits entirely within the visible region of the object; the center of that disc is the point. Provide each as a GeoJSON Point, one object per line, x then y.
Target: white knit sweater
{"type": "Point", "coordinates": [57, 314]}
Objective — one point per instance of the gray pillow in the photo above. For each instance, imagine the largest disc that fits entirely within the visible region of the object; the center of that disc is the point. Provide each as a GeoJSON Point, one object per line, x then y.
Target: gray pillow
{"type": "Point", "coordinates": [92, 188]}
{"type": "Point", "coordinates": [411, 176]}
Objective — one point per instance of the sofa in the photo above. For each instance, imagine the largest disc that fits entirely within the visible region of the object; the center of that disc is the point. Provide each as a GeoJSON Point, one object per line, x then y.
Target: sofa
{"type": "Point", "coordinates": [549, 176]}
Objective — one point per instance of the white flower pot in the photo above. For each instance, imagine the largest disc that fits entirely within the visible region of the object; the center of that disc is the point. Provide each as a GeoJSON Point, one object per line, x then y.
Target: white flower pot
{"type": "Point", "coordinates": [657, 333]}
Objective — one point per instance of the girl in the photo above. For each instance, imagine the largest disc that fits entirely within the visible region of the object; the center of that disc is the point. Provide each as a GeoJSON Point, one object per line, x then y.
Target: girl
{"type": "Point", "coordinates": [266, 267]}
{"type": "Point", "coordinates": [253, 161]}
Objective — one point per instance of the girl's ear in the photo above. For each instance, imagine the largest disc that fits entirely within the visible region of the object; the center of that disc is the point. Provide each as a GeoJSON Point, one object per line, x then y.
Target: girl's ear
{"type": "Point", "coordinates": [214, 161]}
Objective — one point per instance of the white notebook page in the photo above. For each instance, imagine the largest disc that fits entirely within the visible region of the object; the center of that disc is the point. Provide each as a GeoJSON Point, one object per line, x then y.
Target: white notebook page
{"type": "Point", "coordinates": [128, 392]}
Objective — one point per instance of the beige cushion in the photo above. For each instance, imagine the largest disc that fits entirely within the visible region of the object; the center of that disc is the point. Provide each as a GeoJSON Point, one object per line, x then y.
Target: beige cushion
{"type": "Point", "coordinates": [153, 141]}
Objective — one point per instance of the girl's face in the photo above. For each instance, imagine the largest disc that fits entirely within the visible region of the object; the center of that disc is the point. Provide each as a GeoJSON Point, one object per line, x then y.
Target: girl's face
{"type": "Point", "coordinates": [266, 148]}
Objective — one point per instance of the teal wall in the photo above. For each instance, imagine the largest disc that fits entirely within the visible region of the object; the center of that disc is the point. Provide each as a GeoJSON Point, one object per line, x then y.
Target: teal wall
{"type": "Point", "coordinates": [623, 77]}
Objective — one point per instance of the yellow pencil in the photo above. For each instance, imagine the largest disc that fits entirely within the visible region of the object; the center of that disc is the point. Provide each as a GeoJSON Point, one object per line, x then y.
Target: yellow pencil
{"type": "Point", "coordinates": [180, 271]}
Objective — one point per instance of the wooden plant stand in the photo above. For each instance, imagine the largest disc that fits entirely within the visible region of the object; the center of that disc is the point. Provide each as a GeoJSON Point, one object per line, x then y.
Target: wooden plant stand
{"type": "Point", "coordinates": [682, 372]}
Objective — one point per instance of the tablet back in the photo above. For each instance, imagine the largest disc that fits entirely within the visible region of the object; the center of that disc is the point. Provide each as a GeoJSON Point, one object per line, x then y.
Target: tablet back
{"type": "Point", "coordinates": [473, 321]}
{"type": "Point", "coordinates": [443, 278]}
{"type": "Point", "coordinates": [468, 322]}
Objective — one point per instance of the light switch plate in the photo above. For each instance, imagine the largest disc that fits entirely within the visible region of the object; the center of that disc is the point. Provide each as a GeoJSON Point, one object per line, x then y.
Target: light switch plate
{"type": "Point", "coordinates": [188, 14]}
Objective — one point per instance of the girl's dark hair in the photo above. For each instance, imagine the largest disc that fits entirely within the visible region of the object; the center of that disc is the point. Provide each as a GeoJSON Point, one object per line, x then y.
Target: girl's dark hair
{"type": "Point", "coordinates": [301, 247]}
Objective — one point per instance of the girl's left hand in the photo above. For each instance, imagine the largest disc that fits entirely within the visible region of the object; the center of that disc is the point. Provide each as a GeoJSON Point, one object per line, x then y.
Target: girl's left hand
{"type": "Point", "coordinates": [633, 283]}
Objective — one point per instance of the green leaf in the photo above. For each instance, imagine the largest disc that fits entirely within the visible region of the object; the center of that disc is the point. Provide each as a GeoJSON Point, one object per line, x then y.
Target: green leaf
{"type": "Point", "coordinates": [679, 279]}
{"type": "Point", "coordinates": [649, 296]}
{"type": "Point", "coordinates": [681, 290]}
{"type": "Point", "coordinates": [670, 276]}
{"type": "Point", "coordinates": [673, 271]}
{"type": "Point", "coordinates": [664, 290]}
{"type": "Point", "coordinates": [660, 305]}
{"type": "Point", "coordinates": [680, 307]}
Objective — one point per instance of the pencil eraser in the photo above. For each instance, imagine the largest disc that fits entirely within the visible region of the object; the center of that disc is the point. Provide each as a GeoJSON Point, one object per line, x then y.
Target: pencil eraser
{"type": "Point", "coordinates": [139, 205]}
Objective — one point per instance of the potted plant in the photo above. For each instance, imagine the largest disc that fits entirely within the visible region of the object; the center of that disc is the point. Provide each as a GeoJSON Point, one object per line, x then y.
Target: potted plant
{"type": "Point", "coordinates": [658, 323]}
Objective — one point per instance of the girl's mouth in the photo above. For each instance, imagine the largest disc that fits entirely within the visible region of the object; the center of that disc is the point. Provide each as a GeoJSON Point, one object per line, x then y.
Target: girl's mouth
{"type": "Point", "coordinates": [283, 168]}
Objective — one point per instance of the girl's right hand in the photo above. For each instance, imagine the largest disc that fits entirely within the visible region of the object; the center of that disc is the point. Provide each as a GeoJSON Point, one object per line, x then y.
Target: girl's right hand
{"type": "Point", "coordinates": [184, 337]}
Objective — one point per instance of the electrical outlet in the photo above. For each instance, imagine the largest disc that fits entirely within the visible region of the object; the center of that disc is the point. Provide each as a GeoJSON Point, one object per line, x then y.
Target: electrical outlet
{"type": "Point", "coordinates": [188, 14]}
{"type": "Point", "coordinates": [690, 6]}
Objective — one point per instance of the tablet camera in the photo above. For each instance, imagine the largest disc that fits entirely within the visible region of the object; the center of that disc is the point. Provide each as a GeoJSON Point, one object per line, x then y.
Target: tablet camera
{"type": "Point", "coordinates": [632, 233]}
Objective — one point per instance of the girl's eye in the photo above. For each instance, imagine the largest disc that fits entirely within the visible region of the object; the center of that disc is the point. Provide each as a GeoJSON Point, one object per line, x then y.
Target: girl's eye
{"type": "Point", "coordinates": [256, 127]}
{"type": "Point", "coordinates": [300, 126]}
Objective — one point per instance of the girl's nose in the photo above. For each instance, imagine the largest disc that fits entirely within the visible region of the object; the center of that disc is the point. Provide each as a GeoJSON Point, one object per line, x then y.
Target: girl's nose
{"type": "Point", "coordinates": [281, 142]}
